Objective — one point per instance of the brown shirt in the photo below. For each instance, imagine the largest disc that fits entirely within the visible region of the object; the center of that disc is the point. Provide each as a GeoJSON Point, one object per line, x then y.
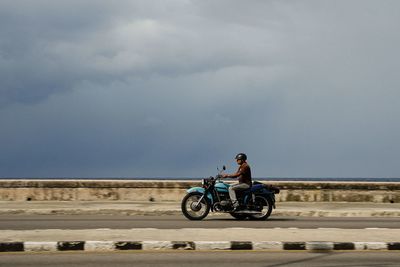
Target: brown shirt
{"type": "Point", "coordinates": [244, 174]}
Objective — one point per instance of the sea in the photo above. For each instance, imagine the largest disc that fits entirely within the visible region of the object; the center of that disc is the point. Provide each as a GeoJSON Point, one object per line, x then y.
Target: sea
{"type": "Point", "coordinates": [325, 179]}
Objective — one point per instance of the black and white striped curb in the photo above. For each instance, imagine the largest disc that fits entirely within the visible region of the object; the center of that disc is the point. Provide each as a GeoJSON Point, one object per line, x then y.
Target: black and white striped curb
{"type": "Point", "coordinates": [193, 245]}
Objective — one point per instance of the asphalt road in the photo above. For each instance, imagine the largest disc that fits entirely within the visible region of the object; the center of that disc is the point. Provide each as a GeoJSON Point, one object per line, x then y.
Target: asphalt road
{"type": "Point", "coordinates": [175, 259]}
{"type": "Point", "coordinates": [28, 222]}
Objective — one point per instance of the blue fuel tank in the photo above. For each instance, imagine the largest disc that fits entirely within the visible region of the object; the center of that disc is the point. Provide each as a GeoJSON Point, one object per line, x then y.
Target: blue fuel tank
{"type": "Point", "coordinates": [222, 187]}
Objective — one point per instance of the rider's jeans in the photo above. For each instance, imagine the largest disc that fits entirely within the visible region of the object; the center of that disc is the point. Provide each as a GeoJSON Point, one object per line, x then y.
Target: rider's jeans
{"type": "Point", "coordinates": [236, 187]}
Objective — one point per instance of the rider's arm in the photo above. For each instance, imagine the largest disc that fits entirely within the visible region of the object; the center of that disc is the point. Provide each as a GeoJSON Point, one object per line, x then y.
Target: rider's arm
{"type": "Point", "coordinates": [235, 175]}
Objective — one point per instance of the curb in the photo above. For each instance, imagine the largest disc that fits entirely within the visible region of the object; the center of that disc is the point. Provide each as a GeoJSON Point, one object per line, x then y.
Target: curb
{"type": "Point", "coordinates": [314, 246]}
{"type": "Point", "coordinates": [290, 213]}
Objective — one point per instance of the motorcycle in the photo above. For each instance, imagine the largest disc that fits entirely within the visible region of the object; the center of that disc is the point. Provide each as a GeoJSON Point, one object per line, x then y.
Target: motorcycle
{"type": "Point", "coordinates": [255, 203]}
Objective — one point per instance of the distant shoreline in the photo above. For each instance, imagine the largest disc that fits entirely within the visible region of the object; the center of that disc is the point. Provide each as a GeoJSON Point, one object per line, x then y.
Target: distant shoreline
{"type": "Point", "coordinates": [328, 179]}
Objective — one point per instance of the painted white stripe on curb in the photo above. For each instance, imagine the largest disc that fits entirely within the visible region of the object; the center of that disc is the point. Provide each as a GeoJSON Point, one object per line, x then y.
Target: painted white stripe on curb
{"type": "Point", "coordinates": [212, 245]}
{"type": "Point", "coordinates": [376, 246]}
{"type": "Point", "coordinates": [360, 245]}
{"type": "Point", "coordinates": [40, 246]}
{"type": "Point", "coordinates": [99, 245]}
{"type": "Point", "coordinates": [268, 245]}
{"type": "Point", "coordinates": [157, 245]}
{"type": "Point", "coordinates": [370, 245]}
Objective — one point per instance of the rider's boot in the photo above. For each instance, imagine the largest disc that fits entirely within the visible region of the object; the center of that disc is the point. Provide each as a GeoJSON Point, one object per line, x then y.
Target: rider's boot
{"type": "Point", "coordinates": [236, 206]}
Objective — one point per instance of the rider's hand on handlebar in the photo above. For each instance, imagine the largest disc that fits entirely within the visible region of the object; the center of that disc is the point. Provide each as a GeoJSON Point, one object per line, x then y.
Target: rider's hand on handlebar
{"type": "Point", "coordinates": [224, 176]}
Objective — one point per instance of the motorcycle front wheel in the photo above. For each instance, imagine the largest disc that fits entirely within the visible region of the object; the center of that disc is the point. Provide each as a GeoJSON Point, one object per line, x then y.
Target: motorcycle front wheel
{"type": "Point", "coordinates": [194, 206]}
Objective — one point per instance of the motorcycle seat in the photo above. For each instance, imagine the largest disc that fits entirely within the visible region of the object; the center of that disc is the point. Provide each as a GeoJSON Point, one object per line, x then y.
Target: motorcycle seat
{"type": "Point", "coordinates": [253, 189]}
{"type": "Point", "coordinates": [256, 187]}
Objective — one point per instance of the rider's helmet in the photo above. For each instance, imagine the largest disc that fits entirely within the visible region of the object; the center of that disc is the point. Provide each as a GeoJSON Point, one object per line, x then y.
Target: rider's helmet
{"type": "Point", "coordinates": [241, 156]}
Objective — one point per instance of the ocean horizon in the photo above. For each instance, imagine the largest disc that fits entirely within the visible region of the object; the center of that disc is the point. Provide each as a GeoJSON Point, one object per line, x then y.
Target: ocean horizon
{"type": "Point", "coordinates": [315, 179]}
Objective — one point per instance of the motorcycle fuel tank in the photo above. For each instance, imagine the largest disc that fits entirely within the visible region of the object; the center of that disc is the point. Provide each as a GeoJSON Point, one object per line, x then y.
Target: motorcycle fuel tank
{"type": "Point", "coordinates": [221, 187]}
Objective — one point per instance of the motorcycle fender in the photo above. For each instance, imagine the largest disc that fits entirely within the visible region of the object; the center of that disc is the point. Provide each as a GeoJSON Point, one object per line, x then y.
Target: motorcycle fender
{"type": "Point", "coordinates": [272, 198]}
{"type": "Point", "coordinates": [200, 190]}
{"type": "Point", "coordinates": [273, 201]}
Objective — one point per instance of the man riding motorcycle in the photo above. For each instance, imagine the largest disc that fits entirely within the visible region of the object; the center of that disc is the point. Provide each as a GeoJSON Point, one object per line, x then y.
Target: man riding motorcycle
{"type": "Point", "coordinates": [255, 202]}
{"type": "Point", "coordinates": [244, 177]}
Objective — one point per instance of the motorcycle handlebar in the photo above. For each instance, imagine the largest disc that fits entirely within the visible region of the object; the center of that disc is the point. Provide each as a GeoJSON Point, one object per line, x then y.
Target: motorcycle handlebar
{"type": "Point", "coordinates": [217, 177]}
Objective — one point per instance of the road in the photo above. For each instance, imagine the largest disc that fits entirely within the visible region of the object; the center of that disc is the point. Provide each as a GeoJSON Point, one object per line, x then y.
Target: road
{"type": "Point", "coordinates": [28, 222]}
{"type": "Point", "coordinates": [175, 259]}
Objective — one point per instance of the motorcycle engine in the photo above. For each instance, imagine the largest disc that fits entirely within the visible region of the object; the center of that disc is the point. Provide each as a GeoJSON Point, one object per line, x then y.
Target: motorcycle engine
{"type": "Point", "coordinates": [224, 205]}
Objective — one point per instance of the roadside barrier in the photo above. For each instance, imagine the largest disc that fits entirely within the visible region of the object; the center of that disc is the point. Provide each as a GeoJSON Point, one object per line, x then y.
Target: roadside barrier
{"type": "Point", "coordinates": [174, 190]}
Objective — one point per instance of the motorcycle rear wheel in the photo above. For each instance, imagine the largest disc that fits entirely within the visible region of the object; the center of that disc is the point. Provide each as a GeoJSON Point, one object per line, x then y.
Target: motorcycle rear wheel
{"type": "Point", "coordinates": [194, 210]}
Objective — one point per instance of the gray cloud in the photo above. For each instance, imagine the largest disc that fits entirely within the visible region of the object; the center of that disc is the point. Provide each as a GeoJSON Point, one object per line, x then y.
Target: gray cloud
{"type": "Point", "coordinates": [148, 88]}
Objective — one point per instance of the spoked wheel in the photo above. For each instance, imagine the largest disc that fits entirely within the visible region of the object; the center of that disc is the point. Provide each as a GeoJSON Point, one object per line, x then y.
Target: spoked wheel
{"type": "Point", "coordinates": [262, 205]}
{"type": "Point", "coordinates": [194, 206]}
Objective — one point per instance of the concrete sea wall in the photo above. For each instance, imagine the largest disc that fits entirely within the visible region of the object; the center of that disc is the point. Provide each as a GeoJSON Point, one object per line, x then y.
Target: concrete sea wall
{"type": "Point", "coordinates": [159, 190]}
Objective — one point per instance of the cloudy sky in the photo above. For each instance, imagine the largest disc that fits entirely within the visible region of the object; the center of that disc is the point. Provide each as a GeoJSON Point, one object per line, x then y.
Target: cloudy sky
{"type": "Point", "coordinates": [176, 88]}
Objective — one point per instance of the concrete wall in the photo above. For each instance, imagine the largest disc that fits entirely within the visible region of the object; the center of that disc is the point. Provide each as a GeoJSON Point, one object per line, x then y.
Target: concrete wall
{"type": "Point", "coordinates": [153, 190]}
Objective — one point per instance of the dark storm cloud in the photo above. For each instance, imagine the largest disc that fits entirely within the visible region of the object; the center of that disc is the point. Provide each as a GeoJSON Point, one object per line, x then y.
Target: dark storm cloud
{"type": "Point", "coordinates": [154, 88]}
{"type": "Point", "coordinates": [29, 71]}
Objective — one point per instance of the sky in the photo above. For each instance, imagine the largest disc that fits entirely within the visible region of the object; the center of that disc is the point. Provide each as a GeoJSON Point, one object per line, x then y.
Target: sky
{"type": "Point", "coordinates": [176, 88]}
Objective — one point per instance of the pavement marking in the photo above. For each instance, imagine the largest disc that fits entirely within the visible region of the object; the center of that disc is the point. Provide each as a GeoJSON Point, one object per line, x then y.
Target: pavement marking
{"type": "Point", "coordinates": [268, 245]}
{"type": "Point", "coordinates": [371, 246]}
{"type": "Point", "coordinates": [197, 229]}
{"type": "Point", "coordinates": [131, 245]}
{"type": "Point", "coordinates": [40, 246]}
{"type": "Point", "coordinates": [99, 246]}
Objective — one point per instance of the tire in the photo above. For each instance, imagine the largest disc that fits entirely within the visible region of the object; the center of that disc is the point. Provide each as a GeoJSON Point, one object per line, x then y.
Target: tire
{"type": "Point", "coordinates": [266, 205]}
{"type": "Point", "coordinates": [238, 216]}
{"type": "Point", "coordinates": [190, 211]}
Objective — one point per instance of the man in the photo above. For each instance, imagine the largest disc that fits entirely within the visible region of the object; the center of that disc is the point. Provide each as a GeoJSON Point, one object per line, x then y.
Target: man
{"type": "Point", "coordinates": [244, 176]}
